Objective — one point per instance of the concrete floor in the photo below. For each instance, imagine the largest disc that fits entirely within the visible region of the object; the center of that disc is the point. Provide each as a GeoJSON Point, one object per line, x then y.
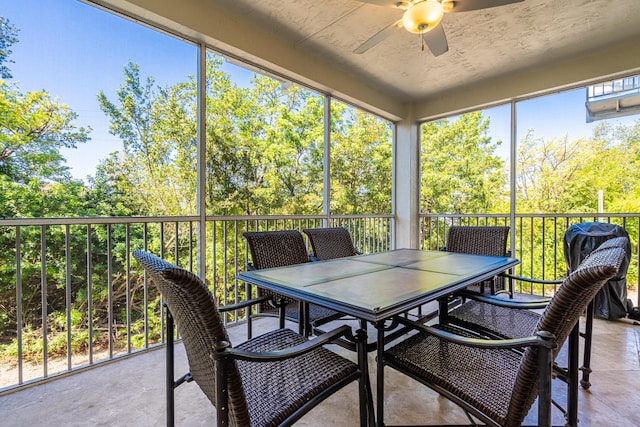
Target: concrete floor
{"type": "Point", "coordinates": [130, 392]}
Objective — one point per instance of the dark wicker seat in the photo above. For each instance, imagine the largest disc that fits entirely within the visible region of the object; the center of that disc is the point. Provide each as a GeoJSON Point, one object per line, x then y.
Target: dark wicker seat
{"type": "Point", "coordinates": [330, 243]}
{"type": "Point", "coordinates": [486, 377]}
{"type": "Point", "coordinates": [270, 249]}
{"type": "Point", "coordinates": [480, 240]}
{"type": "Point", "coordinates": [273, 379]}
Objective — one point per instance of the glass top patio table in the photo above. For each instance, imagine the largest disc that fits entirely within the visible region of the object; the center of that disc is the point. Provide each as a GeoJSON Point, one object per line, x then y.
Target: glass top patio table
{"type": "Point", "coordinates": [375, 287]}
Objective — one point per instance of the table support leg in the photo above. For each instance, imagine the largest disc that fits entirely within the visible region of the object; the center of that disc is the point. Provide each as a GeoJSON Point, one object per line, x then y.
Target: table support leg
{"type": "Point", "coordinates": [443, 310]}
{"type": "Point", "coordinates": [365, 382]}
{"type": "Point", "coordinates": [380, 375]}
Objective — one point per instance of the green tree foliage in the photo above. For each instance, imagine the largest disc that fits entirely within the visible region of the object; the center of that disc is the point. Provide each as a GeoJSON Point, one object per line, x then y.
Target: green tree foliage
{"type": "Point", "coordinates": [156, 126]}
{"type": "Point", "coordinates": [264, 153]}
{"type": "Point", "coordinates": [8, 36]}
{"type": "Point", "coordinates": [360, 162]}
{"type": "Point", "coordinates": [563, 176]}
{"type": "Point", "coordinates": [264, 149]}
{"type": "Point", "coordinates": [288, 149]}
{"type": "Point", "coordinates": [629, 199]}
{"type": "Point", "coordinates": [460, 172]}
{"type": "Point", "coordinates": [33, 129]}
{"type": "Point", "coordinates": [35, 182]}
{"type": "Point", "coordinates": [36, 199]}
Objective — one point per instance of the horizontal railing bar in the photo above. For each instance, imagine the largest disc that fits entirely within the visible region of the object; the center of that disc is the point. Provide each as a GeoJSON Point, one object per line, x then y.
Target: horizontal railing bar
{"type": "Point", "coordinates": [535, 215]}
{"type": "Point", "coordinates": [12, 222]}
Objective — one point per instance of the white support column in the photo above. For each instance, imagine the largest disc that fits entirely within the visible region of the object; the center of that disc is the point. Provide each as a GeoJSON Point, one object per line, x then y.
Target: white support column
{"type": "Point", "coordinates": [512, 178]}
{"type": "Point", "coordinates": [201, 206]}
{"type": "Point", "coordinates": [326, 197]}
{"type": "Point", "coordinates": [407, 183]}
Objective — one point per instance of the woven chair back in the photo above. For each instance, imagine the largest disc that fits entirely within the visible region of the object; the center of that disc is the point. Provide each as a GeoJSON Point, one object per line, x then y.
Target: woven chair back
{"type": "Point", "coordinates": [271, 249]}
{"type": "Point", "coordinates": [330, 243]}
{"type": "Point", "coordinates": [479, 240]}
{"type": "Point", "coordinates": [559, 318]}
{"type": "Point", "coordinates": [200, 326]}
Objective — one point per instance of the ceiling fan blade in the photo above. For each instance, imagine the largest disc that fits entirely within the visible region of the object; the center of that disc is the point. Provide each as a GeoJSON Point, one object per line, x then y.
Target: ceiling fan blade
{"type": "Point", "coordinates": [390, 3]}
{"type": "Point", "coordinates": [436, 40]}
{"type": "Point", "coordinates": [466, 5]}
{"type": "Point", "coordinates": [378, 37]}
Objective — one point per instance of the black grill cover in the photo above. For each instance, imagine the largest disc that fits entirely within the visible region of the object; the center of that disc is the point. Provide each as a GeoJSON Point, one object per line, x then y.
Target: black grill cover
{"type": "Point", "coordinates": [579, 241]}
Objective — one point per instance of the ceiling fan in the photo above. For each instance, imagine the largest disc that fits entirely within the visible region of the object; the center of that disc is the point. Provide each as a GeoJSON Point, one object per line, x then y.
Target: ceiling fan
{"type": "Point", "coordinates": [423, 17]}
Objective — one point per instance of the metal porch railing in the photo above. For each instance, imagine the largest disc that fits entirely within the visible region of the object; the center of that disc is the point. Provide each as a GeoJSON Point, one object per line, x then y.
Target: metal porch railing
{"type": "Point", "coordinates": [72, 296]}
{"type": "Point", "coordinates": [539, 241]}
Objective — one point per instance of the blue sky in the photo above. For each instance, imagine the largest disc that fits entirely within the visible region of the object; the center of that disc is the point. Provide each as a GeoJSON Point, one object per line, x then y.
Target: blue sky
{"type": "Point", "coordinates": [62, 49]}
{"type": "Point", "coordinates": [551, 117]}
{"type": "Point", "coordinates": [74, 51]}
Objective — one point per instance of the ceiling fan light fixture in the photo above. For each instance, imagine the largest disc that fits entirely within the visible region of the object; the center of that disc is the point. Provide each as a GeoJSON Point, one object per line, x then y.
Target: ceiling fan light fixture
{"type": "Point", "coordinates": [423, 16]}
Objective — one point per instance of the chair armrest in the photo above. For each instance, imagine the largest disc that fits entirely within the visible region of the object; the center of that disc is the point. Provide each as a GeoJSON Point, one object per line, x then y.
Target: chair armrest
{"type": "Point", "coordinates": [541, 339]}
{"type": "Point", "coordinates": [288, 353]}
{"type": "Point", "coordinates": [510, 303]}
{"type": "Point", "coordinates": [247, 303]}
{"type": "Point", "coordinates": [531, 280]}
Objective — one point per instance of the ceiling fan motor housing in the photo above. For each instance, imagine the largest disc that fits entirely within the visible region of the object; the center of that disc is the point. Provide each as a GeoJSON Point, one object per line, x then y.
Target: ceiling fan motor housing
{"type": "Point", "coordinates": [422, 16]}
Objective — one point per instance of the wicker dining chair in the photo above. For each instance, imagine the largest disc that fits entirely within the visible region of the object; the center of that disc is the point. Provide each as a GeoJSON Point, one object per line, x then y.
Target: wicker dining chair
{"type": "Point", "coordinates": [270, 249]}
{"type": "Point", "coordinates": [330, 243]}
{"type": "Point", "coordinates": [480, 240]}
{"type": "Point", "coordinates": [511, 318]}
{"type": "Point", "coordinates": [273, 379]}
{"type": "Point", "coordinates": [486, 377]}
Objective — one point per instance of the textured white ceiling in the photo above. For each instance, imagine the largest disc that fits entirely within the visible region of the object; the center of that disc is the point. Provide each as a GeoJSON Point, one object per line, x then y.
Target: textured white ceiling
{"type": "Point", "coordinates": [483, 44]}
